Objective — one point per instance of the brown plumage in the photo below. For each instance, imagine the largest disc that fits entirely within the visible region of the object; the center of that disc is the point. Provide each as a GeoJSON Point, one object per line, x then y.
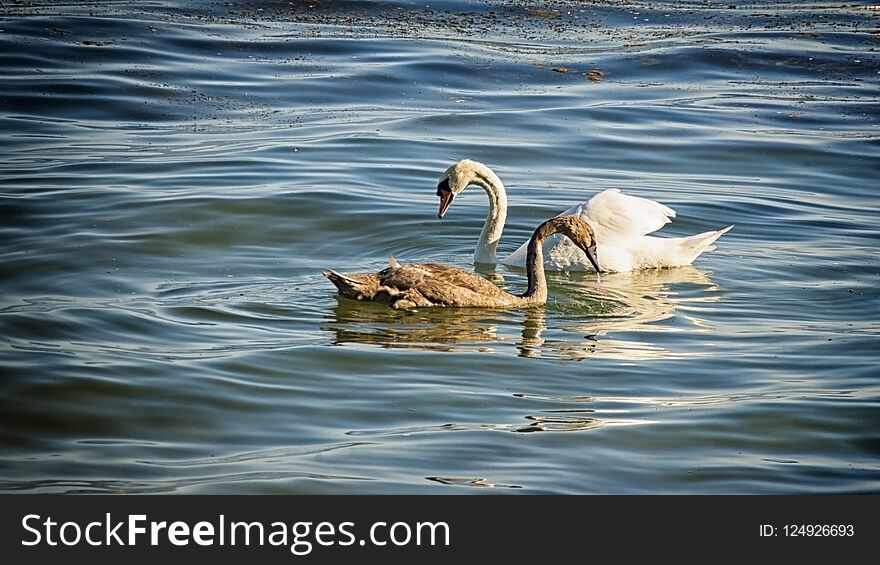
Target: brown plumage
{"type": "Point", "coordinates": [432, 284]}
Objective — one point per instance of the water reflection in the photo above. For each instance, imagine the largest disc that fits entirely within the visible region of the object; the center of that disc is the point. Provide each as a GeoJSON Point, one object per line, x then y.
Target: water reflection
{"type": "Point", "coordinates": [479, 482]}
{"type": "Point", "coordinates": [621, 304]}
{"type": "Point", "coordinates": [442, 329]}
{"type": "Point", "coordinates": [585, 319]}
{"type": "Point", "coordinates": [560, 423]}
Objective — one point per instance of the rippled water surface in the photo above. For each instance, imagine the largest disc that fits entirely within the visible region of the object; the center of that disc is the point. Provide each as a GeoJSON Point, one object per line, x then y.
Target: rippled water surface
{"type": "Point", "coordinates": [175, 177]}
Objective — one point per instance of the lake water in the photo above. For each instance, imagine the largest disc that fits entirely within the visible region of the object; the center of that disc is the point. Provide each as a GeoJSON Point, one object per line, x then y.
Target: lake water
{"type": "Point", "coordinates": [175, 176]}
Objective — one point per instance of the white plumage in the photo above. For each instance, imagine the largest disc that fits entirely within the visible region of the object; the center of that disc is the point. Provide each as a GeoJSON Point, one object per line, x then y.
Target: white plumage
{"type": "Point", "coordinates": [621, 224]}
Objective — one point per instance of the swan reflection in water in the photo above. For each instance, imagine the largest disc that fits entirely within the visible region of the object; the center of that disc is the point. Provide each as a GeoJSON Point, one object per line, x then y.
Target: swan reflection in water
{"type": "Point", "coordinates": [441, 329]}
{"type": "Point", "coordinates": [620, 304]}
{"type": "Point", "coordinates": [585, 319]}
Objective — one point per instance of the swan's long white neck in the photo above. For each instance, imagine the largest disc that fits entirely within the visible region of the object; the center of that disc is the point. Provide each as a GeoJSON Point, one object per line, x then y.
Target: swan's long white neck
{"type": "Point", "coordinates": [491, 234]}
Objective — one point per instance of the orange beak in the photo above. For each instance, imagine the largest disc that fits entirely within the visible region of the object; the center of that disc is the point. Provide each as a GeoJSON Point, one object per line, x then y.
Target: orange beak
{"type": "Point", "coordinates": [445, 202]}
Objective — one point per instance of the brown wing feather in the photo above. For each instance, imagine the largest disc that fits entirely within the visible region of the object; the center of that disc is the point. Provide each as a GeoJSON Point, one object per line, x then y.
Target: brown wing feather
{"type": "Point", "coordinates": [444, 285]}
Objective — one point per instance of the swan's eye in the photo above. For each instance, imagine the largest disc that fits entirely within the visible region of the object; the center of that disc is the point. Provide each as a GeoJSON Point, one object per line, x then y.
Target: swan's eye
{"type": "Point", "coordinates": [443, 186]}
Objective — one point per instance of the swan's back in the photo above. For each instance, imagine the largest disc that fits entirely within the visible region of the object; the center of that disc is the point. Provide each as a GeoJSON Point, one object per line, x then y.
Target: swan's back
{"type": "Point", "coordinates": [622, 223]}
{"type": "Point", "coordinates": [443, 285]}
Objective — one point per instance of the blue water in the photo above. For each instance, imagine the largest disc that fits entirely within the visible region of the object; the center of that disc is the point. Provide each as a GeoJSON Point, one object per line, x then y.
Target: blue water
{"type": "Point", "coordinates": [175, 176]}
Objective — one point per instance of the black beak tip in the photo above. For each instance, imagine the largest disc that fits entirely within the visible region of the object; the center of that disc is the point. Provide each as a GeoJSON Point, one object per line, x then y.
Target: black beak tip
{"type": "Point", "coordinates": [594, 259]}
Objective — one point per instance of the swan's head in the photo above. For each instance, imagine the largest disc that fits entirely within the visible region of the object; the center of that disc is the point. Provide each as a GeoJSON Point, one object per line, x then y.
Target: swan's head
{"type": "Point", "coordinates": [456, 178]}
{"type": "Point", "coordinates": [576, 229]}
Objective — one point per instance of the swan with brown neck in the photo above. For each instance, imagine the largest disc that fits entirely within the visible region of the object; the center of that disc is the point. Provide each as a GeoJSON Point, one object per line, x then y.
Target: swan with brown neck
{"type": "Point", "coordinates": [620, 222]}
{"type": "Point", "coordinates": [430, 284]}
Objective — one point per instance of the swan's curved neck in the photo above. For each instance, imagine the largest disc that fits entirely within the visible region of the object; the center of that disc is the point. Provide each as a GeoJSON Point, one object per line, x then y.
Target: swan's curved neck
{"type": "Point", "coordinates": [491, 234]}
{"type": "Point", "coordinates": [537, 291]}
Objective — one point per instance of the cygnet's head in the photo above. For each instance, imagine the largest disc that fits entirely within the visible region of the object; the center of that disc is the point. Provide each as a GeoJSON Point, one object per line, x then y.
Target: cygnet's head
{"type": "Point", "coordinates": [576, 229]}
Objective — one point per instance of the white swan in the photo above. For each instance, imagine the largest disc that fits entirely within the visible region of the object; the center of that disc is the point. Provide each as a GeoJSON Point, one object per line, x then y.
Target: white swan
{"type": "Point", "coordinates": [620, 223]}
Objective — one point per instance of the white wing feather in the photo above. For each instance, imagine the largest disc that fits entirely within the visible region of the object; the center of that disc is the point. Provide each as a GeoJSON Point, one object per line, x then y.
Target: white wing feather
{"type": "Point", "coordinates": [625, 214]}
{"type": "Point", "coordinates": [613, 211]}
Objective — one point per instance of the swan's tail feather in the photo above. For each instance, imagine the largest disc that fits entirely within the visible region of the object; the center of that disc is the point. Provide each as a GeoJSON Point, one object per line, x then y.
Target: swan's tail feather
{"type": "Point", "coordinates": [697, 244]}
{"type": "Point", "coordinates": [358, 286]}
